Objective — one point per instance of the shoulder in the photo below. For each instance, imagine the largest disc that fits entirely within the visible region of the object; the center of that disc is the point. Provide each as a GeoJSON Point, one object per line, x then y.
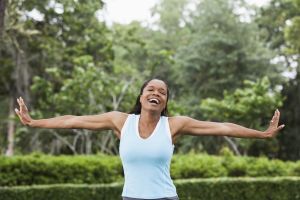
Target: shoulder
{"type": "Point", "coordinates": [178, 120]}
{"type": "Point", "coordinates": [177, 123]}
{"type": "Point", "coordinates": [118, 119]}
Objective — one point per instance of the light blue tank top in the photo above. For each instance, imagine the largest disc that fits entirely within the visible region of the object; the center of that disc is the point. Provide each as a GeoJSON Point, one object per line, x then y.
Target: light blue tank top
{"type": "Point", "coordinates": [146, 162]}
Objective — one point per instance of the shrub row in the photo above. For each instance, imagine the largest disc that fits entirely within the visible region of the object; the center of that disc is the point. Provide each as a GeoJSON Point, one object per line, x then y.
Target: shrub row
{"type": "Point", "coordinates": [284, 188]}
{"type": "Point", "coordinates": [42, 169]}
{"type": "Point", "coordinates": [206, 166]}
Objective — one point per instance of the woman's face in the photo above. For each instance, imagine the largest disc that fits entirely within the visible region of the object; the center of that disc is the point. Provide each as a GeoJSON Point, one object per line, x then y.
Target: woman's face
{"type": "Point", "coordinates": [154, 96]}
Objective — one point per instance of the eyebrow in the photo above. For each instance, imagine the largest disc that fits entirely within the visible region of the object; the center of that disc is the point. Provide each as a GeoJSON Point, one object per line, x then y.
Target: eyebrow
{"type": "Point", "coordinates": [158, 88]}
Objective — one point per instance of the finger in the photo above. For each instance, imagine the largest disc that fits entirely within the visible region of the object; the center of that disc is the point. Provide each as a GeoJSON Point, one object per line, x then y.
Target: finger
{"type": "Point", "coordinates": [24, 106]}
{"type": "Point", "coordinates": [19, 115]}
{"type": "Point", "coordinates": [20, 104]}
{"type": "Point", "coordinates": [16, 111]}
{"type": "Point", "coordinates": [21, 100]}
{"type": "Point", "coordinates": [280, 127]}
{"type": "Point", "coordinates": [276, 116]}
{"type": "Point", "coordinates": [274, 119]}
{"type": "Point", "coordinates": [276, 113]}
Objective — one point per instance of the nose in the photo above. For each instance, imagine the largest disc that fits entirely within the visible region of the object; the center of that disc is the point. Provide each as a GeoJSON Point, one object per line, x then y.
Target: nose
{"type": "Point", "coordinates": [156, 93]}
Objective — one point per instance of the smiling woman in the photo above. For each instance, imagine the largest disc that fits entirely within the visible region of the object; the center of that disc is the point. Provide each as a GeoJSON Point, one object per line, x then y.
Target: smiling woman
{"type": "Point", "coordinates": [153, 89]}
{"type": "Point", "coordinates": [147, 136]}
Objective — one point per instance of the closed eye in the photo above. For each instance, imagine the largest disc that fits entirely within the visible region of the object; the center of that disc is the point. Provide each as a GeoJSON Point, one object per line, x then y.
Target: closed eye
{"type": "Point", "coordinates": [162, 91]}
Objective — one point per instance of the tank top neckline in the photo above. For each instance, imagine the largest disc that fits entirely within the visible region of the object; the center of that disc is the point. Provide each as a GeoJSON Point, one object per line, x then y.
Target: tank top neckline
{"type": "Point", "coordinates": [138, 132]}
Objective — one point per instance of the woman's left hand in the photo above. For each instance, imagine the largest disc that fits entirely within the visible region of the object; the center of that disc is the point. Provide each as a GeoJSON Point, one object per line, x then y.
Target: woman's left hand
{"type": "Point", "coordinates": [273, 127]}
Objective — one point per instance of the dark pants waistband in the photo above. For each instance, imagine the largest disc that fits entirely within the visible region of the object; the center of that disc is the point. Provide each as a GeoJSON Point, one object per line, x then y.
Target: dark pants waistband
{"type": "Point", "coordinates": [166, 198]}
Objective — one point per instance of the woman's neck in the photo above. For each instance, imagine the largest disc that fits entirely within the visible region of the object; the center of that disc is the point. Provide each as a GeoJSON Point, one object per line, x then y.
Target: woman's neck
{"type": "Point", "coordinates": [149, 117]}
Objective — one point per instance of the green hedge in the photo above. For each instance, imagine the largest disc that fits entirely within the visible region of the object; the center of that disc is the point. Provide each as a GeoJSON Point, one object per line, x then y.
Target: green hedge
{"type": "Point", "coordinates": [42, 169]}
{"type": "Point", "coordinates": [283, 188]}
{"type": "Point", "coordinates": [206, 166]}
{"type": "Point", "coordinates": [37, 169]}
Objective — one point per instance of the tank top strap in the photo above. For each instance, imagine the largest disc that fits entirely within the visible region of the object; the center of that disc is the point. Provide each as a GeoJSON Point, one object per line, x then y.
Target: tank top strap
{"type": "Point", "coordinates": [166, 128]}
{"type": "Point", "coordinates": [128, 125]}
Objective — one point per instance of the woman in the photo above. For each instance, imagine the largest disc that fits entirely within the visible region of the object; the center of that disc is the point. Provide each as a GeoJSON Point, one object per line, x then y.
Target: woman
{"type": "Point", "coordinates": [147, 138]}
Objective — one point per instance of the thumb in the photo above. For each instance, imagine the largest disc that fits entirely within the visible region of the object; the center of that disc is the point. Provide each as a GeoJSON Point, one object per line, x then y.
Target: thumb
{"type": "Point", "coordinates": [17, 112]}
{"type": "Point", "coordinates": [280, 127]}
{"type": "Point", "coordinates": [19, 115]}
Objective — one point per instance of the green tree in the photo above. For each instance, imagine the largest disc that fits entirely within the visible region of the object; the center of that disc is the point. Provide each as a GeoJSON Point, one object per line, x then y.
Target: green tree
{"type": "Point", "coordinates": [136, 47]}
{"type": "Point", "coordinates": [89, 90]}
{"type": "Point", "coordinates": [279, 23]}
{"type": "Point", "coordinates": [15, 69]}
{"type": "Point", "coordinates": [250, 106]}
{"type": "Point", "coordinates": [223, 51]}
{"type": "Point", "coordinates": [292, 90]}
{"type": "Point", "coordinates": [61, 32]}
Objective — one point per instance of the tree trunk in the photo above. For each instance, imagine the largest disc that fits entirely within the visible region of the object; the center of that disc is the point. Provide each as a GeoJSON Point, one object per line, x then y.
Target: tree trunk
{"type": "Point", "coordinates": [2, 16]}
{"type": "Point", "coordinates": [88, 142]}
{"type": "Point", "coordinates": [22, 76]}
{"type": "Point", "coordinates": [10, 129]}
{"type": "Point", "coordinates": [20, 87]}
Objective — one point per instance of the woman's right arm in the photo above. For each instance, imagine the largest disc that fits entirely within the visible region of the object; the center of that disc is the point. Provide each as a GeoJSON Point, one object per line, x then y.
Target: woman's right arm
{"type": "Point", "coordinates": [111, 120]}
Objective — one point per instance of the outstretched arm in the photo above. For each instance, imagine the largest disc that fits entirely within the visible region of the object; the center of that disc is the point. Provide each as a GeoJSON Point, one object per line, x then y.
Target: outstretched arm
{"type": "Point", "coordinates": [111, 120]}
{"type": "Point", "coordinates": [187, 125]}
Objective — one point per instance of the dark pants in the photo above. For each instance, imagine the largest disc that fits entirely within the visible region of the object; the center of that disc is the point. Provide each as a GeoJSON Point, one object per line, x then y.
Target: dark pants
{"type": "Point", "coordinates": [166, 198]}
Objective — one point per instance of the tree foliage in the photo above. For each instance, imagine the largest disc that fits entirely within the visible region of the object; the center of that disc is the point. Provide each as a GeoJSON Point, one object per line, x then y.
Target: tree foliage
{"type": "Point", "coordinates": [223, 51]}
{"type": "Point", "coordinates": [68, 62]}
{"type": "Point", "coordinates": [280, 24]}
{"type": "Point", "coordinates": [250, 106]}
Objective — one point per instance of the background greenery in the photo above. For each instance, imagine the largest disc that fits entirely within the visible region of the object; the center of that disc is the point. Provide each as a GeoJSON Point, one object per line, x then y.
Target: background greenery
{"type": "Point", "coordinates": [40, 169]}
{"type": "Point", "coordinates": [208, 189]}
{"type": "Point", "coordinates": [221, 64]}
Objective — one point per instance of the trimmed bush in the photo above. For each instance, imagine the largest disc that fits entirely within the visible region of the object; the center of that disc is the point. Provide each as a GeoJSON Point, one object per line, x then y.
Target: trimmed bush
{"type": "Point", "coordinates": [64, 192]}
{"type": "Point", "coordinates": [284, 188]}
{"type": "Point", "coordinates": [97, 169]}
{"type": "Point", "coordinates": [197, 166]}
{"type": "Point", "coordinates": [206, 166]}
{"type": "Point", "coordinates": [295, 169]}
{"type": "Point", "coordinates": [30, 170]}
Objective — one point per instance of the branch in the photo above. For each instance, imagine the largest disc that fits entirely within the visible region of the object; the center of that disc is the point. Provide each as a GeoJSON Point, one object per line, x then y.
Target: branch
{"type": "Point", "coordinates": [232, 145]}
{"type": "Point", "coordinates": [117, 101]}
{"type": "Point", "coordinates": [64, 141]}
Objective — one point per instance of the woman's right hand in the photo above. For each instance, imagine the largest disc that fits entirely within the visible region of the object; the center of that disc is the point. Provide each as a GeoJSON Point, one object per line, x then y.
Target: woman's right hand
{"type": "Point", "coordinates": [23, 112]}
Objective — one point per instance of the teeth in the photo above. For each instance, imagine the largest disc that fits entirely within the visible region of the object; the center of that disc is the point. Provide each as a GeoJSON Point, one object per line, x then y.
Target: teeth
{"type": "Point", "coordinates": [154, 101]}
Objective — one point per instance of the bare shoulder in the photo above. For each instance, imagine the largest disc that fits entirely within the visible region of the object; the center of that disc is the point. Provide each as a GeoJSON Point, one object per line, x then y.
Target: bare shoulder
{"type": "Point", "coordinates": [177, 123]}
{"type": "Point", "coordinates": [118, 115]}
{"type": "Point", "coordinates": [118, 119]}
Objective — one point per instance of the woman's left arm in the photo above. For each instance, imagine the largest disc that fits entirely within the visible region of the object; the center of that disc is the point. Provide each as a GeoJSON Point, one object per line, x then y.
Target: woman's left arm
{"type": "Point", "coordinates": [190, 126]}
